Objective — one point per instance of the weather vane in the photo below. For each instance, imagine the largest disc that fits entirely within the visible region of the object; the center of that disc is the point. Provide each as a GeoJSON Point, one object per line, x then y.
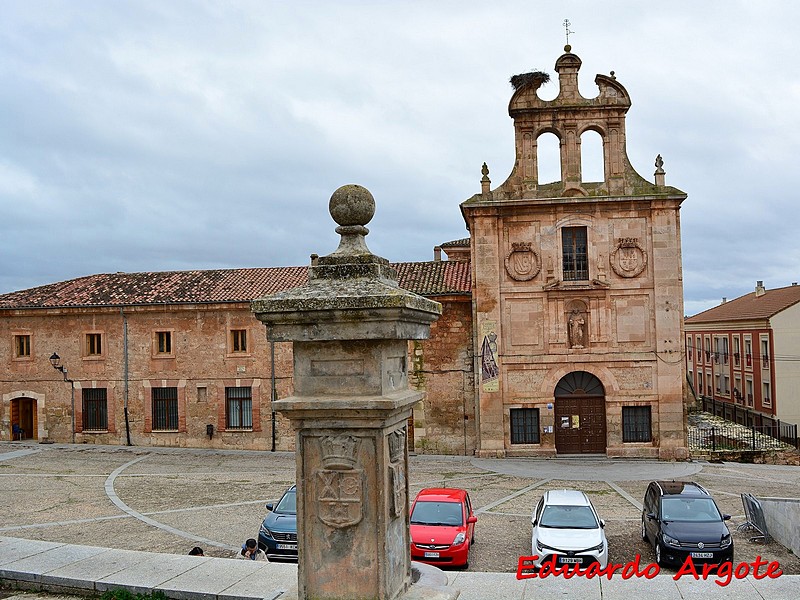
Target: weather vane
{"type": "Point", "coordinates": [567, 30]}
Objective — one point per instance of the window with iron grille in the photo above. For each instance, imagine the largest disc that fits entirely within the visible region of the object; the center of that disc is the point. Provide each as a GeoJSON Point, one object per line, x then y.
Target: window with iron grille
{"type": "Point", "coordinates": [165, 409]}
{"type": "Point", "coordinates": [22, 346]}
{"type": "Point", "coordinates": [238, 408]}
{"type": "Point", "coordinates": [575, 262]}
{"type": "Point", "coordinates": [636, 424]}
{"type": "Point", "coordinates": [238, 340]}
{"type": "Point", "coordinates": [524, 425]}
{"type": "Point", "coordinates": [95, 409]}
{"type": "Point", "coordinates": [94, 344]}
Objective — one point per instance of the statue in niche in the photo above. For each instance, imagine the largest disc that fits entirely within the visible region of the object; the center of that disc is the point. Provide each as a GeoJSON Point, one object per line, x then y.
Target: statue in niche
{"type": "Point", "coordinates": [577, 330]}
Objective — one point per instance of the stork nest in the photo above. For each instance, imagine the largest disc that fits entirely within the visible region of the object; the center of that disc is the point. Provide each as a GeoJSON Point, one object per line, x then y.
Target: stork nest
{"type": "Point", "coordinates": [535, 78]}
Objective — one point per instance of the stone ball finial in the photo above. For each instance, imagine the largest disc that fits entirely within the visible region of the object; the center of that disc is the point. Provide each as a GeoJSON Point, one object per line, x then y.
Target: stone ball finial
{"type": "Point", "coordinates": [352, 205]}
{"type": "Point", "coordinates": [567, 48]}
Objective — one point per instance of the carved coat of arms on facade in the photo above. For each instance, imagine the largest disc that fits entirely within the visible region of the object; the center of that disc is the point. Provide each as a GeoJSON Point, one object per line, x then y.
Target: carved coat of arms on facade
{"type": "Point", "coordinates": [628, 259]}
{"type": "Point", "coordinates": [522, 263]}
{"type": "Point", "coordinates": [339, 485]}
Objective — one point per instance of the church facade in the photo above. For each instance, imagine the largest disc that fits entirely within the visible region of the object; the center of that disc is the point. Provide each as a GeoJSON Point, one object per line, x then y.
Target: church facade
{"type": "Point", "coordinates": [577, 289]}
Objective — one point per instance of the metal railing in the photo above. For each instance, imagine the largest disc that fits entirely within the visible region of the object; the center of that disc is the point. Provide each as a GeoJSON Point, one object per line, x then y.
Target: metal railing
{"type": "Point", "coordinates": [718, 438]}
{"type": "Point", "coordinates": [758, 424]}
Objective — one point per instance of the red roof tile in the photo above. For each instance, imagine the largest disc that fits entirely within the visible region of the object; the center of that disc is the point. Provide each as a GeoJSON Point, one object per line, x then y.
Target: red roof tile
{"type": "Point", "coordinates": [220, 285]}
{"type": "Point", "coordinates": [462, 243]}
{"type": "Point", "coordinates": [750, 306]}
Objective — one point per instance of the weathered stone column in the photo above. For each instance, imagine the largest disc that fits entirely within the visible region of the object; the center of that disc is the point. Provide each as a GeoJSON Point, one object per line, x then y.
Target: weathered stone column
{"type": "Point", "coordinates": [350, 327]}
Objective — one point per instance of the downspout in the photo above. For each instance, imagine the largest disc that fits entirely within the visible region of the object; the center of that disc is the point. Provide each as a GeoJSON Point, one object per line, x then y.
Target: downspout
{"type": "Point", "coordinates": [125, 373]}
{"type": "Point", "coordinates": [273, 393]}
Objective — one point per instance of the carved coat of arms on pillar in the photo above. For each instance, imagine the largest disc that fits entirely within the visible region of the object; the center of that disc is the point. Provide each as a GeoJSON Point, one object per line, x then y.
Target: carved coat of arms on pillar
{"type": "Point", "coordinates": [522, 263]}
{"type": "Point", "coordinates": [397, 471]}
{"type": "Point", "coordinates": [340, 486]}
{"type": "Point", "coordinates": [628, 259]}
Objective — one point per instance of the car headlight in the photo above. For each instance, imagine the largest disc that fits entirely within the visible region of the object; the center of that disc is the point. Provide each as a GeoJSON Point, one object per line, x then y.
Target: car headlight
{"type": "Point", "coordinates": [670, 541]}
{"type": "Point", "coordinates": [540, 547]}
{"type": "Point", "coordinates": [266, 531]}
{"type": "Point", "coordinates": [459, 539]}
{"type": "Point", "coordinates": [598, 548]}
{"type": "Point", "coordinates": [726, 541]}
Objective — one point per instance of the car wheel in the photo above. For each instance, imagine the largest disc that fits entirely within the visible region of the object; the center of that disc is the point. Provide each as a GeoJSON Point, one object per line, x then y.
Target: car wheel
{"type": "Point", "coordinates": [659, 558]}
{"type": "Point", "coordinates": [644, 532]}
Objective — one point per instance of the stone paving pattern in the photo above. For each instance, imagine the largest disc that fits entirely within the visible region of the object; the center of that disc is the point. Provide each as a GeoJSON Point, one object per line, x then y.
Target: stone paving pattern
{"type": "Point", "coordinates": [59, 493]}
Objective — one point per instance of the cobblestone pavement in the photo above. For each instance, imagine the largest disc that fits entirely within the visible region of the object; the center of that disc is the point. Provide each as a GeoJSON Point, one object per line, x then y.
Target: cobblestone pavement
{"type": "Point", "coordinates": [168, 500]}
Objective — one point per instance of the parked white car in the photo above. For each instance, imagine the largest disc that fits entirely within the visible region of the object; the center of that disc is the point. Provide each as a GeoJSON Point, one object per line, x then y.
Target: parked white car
{"type": "Point", "coordinates": [565, 524]}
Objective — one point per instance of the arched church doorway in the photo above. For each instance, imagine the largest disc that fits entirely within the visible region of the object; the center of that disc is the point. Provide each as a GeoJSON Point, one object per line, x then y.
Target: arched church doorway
{"type": "Point", "coordinates": [580, 411]}
{"type": "Point", "coordinates": [23, 419]}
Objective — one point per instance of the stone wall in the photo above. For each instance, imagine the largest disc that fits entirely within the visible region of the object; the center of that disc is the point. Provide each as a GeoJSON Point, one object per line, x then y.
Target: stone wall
{"type": "Point", "coordinates": [201, 365]}
{"type": "Point", "coordinates": [442, 366]}
{"type": "Point", "coordinates": [782, 516]}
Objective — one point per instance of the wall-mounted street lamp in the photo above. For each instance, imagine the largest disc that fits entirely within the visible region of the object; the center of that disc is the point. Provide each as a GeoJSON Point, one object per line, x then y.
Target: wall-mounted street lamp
{"type": "Point", "coordinates": [55, 360]}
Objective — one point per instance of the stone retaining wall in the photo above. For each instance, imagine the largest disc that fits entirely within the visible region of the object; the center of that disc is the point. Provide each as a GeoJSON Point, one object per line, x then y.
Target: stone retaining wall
{"type": "Point", "coordinates": [783, 521]}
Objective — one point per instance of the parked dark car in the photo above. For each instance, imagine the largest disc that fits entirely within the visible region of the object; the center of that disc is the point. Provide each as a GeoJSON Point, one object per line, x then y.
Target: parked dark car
{"type": "Point", "coordinates": [277, 536]}
{"type": "Point", "coordinates": [680, 519]}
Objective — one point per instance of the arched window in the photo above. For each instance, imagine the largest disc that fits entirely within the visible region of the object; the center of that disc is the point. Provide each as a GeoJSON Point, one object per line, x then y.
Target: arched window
{"type": "Point", "coordinates": [548, 156]}
{"type": "Point", "coordinates": [579, 383]}
{"type": "Point", "coordinates": [592, 164]}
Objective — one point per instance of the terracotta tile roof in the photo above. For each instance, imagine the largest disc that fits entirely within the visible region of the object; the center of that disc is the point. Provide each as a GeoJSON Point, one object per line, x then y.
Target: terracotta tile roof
{"type": "Point", "coordinates": [462, 243]}
{"type": "Point", "coordinates": [220, 285]}
{"type": "Point", "coordinates": [750, 306]}
{"type": "Point", "coordinates": [436, 278]}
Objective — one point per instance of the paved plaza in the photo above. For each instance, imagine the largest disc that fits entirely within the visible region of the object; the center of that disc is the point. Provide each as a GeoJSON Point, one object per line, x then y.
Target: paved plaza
{"type": "Point", "coordinates": [166, 500]}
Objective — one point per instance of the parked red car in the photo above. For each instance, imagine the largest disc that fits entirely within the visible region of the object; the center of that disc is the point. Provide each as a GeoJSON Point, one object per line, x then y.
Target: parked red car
{"type": "Point", "coordinates": [442, 527]}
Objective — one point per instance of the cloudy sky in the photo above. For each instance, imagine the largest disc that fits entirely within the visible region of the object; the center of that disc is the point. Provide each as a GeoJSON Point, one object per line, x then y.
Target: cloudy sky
{"type": "Point", "coordinates": [143, 136]}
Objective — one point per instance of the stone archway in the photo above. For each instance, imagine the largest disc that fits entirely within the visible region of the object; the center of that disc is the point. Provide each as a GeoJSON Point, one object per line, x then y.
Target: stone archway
{"type": "Point", "coordinates": [580, 414]}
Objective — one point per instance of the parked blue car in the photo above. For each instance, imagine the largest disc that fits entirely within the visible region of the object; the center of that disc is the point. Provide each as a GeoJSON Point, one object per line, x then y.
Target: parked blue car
{"type": "Point", "coordinates": [277, 536]}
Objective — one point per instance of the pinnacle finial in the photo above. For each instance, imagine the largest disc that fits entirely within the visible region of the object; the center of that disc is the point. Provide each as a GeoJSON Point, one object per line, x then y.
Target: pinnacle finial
{"type": "Point", "coordinates": [352, 207]}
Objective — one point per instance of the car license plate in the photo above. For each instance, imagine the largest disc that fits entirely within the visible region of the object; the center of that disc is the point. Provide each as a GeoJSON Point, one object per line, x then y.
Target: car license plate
{"type": "Point", "coordinates": [431, 555]}
{"type": "Point", "coordinates": [570, 559]}
{"type": "Point", "coordinates": [287, 546]}
{"type": "Point", "coordinates": [702, 555]}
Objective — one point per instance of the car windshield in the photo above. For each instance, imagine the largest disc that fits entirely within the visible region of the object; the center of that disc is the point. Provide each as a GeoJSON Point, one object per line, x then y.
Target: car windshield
{"type": "Point", "coordinates": [288, 504]}
{"type": "Point", "coordinates": [568, 517]}
{"type": "Point", "coordinates": [437, 513]}
{"type": "Point", "coordinates": [689, 509]}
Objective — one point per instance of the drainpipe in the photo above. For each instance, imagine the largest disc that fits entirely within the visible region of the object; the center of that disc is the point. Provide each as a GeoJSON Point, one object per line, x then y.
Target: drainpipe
{"type": "Point", "coordinates": [273, 393]}
{"type": "Point", "coordinates": [125, 373]}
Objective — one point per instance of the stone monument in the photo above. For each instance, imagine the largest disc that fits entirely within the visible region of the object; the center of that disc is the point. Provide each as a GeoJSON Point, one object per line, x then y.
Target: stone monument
{"type": "Point", "coordinates": [350, 327]}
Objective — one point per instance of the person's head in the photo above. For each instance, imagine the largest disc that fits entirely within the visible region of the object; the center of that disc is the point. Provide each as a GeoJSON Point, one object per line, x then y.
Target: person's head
{"type": "Point", "coordinates": [196, 551]}
{"type": "Point", "coordinates": [249, 546]}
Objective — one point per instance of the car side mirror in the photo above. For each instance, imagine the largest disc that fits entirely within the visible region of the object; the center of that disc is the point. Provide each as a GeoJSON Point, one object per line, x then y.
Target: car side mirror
{"type": "Point", "coordinates": [472, 519]}
{"type": "Point", "coordinates": [602, 523]}
{"type": "Point", "coordinates": [651, 516]}
{"type": "Point", "coordinates": [726, 517]}
{"type": "Point", "coordinates": [270, 506]}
